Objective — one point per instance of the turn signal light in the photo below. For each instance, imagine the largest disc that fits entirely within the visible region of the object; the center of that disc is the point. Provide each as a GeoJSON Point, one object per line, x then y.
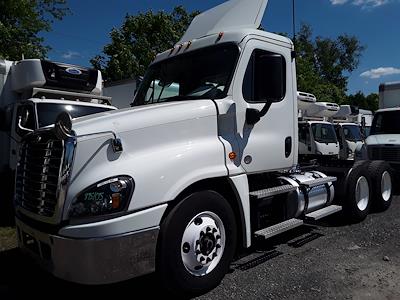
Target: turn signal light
{"type": "Point", "coordinates": [232, 155]}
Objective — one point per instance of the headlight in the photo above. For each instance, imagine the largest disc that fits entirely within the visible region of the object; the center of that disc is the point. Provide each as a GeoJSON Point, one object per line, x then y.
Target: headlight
{"type": "Point", "coordinates": [106, 197]}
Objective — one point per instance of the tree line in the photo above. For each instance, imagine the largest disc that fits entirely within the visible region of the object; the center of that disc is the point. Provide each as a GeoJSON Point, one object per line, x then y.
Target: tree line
{"type": "Point", "coordinates": [323, 64]}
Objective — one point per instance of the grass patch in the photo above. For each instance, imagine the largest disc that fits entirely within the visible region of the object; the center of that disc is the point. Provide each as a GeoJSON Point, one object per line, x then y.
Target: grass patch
{"type": "Point", "coordinates": [8, 238]}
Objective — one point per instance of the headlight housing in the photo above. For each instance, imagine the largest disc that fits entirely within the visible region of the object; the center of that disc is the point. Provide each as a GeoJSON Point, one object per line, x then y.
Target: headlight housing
{"type": "Point", "coordinates": [103, 198]}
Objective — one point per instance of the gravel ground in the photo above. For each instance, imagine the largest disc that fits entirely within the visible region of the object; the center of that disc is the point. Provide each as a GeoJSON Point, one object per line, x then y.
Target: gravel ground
{"type": "Point", "coordinates": [331, 260]}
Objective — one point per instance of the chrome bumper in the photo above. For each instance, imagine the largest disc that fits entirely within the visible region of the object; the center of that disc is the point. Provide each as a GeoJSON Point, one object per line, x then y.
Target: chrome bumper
{"type": "Point", "coordinates": [91, 261]}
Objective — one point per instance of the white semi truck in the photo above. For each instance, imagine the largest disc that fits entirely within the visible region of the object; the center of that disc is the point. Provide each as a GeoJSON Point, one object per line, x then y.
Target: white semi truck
{"type": "Point", "coordinates": [33, 93]}
{"type": "Point", "coordinates": [179, 183]}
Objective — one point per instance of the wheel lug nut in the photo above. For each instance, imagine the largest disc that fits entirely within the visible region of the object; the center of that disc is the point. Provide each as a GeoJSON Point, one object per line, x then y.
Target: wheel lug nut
{"type": "Point", "coordinates": [208, 260]}
{"type": "Point", "coordinates": [201, 233]}
{"type": "Point", "coordinates": [186, 247]}
{"type": "Point", "coordinates": [198, 252]}
{"type": "Point", "coordinates": [202, 258]}
{"type": "Point", "coordinates": [214, 230]}
{"type": "Point", "coordinates": [208, 229]}
{"type": "Point", "coordinates": [197, 242]}
{"type": "Point", "coordinates": [215, 255]}
{"type": "Point", "coordinates": [218, 237]}
{"type": "Point", "coordinates": [218, 246]}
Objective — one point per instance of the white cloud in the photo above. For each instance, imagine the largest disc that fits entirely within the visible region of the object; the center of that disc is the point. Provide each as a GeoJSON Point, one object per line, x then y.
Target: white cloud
{"type": "Point", "coordinates": [71, 54]}
{"type": "Point", "coordinates": [362, 3]}
{"type": "Point", "coordinates": [380, 72]}
{"type": "Point", "coordinates": [338, 2]}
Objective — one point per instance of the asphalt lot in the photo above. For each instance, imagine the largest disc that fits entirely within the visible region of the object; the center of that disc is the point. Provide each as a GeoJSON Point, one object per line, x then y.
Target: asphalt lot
{"type": "Point", "coordinates": [332, 260]}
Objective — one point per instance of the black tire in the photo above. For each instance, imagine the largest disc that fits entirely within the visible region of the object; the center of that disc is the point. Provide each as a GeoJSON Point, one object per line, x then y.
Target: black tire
{"type": "Point", "coordinates": [170, 267]}
{"type": "Point", "coordinates": [381, 197]}
{"type": "Point", "coordinates": [354, 209]}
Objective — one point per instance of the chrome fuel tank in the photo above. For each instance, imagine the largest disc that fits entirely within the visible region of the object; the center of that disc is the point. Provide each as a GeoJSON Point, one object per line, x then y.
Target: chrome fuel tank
{"type": "Point", "coordinates": [310, 199]}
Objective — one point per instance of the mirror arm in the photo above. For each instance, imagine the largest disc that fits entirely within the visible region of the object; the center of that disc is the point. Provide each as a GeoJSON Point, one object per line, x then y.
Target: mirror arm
{"type": "Point", "coordinates": [22, 127]}
{"type": "Point", "coordinates": [254, 115]}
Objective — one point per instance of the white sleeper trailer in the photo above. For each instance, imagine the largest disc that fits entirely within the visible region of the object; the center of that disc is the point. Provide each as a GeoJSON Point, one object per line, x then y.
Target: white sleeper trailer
{"type": "Point", "coordinates": [179, 182]}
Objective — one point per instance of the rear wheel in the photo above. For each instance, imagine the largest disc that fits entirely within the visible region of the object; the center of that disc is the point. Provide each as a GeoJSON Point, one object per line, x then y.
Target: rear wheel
{"type": "Point", "coordinates": [381, 180]}
{"type": "Point", "coordinates": [196, 244]}
{"type": "Point", "coordinates": [358, 199]}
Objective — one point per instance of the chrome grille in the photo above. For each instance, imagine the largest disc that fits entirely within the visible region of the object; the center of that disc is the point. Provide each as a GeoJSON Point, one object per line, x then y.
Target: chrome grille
{"type": "Point", "coordinates": [38, 172]}
{"type": "Point", "coordinates": [388, 153]}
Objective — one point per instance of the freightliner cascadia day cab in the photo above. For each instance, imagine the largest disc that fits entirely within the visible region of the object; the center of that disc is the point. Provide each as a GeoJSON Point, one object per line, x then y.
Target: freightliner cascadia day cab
{"type": "Point", "coordinates": [182, 181]}
{"type": "Point", "coordinates": [33, 93]}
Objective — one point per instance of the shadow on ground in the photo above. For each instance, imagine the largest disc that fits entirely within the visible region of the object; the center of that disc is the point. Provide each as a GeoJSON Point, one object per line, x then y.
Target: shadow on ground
{"type": "Point", "coordinates": [15, 269]}
{"type": "Point", "coordinates": [19, 276]}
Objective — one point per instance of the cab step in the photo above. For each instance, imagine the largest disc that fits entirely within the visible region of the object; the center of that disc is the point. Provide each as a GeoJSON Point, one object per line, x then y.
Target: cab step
{"type": "Point", "coordinates": [273, 191]}
{"type": "Point", "coordinates": [278, 228]}
{"type": "Point", "coordinates": [318, 181]}
{"type": "Point", "coordinates": [323, 212]}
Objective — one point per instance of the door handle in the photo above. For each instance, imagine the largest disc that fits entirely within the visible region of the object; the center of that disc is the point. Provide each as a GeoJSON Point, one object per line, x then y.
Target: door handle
{"type": "Point", "coordinates": [288, 146]}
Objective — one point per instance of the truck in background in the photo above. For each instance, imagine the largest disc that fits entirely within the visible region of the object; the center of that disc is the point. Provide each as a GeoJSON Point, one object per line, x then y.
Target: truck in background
{"type": "Point", "coordinates": [383, 143]}
{"type": "Point", "coordinates": [122, 92]}
{"type": "Point", "coordinates": [317, 136]}
{"type": "Point", "coordinates": [190, 175]}
{"type": "Point", "coordinates": [33, 93]}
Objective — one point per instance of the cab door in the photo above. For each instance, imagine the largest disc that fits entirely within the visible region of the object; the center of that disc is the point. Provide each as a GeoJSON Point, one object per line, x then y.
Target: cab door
{"type": "Point", "coordinates": [266, 114]}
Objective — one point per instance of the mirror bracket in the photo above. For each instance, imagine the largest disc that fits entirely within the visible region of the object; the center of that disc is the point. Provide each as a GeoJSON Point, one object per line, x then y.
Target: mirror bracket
{"type": "Point", "coordinates": [253, 116]}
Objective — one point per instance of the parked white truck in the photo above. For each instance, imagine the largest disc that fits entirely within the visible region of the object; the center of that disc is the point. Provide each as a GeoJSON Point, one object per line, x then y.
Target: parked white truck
{"type": "Point", "coordinates": [33, 93]}
{"type": "Point", "coordinates": [383, 143]}
{"type": "Point", "coordinates": [317, 137]}
{"type": "Point", "coordinates": [179, 183]}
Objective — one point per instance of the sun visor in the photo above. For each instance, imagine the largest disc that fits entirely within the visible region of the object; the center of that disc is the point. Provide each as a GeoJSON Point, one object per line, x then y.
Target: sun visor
{"type": "Point", "coordinates": [231, 15]}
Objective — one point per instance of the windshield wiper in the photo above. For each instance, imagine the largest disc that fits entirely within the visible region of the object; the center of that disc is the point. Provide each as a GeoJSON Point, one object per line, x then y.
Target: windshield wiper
{"type": "Point", "coordinates": [178, 98]}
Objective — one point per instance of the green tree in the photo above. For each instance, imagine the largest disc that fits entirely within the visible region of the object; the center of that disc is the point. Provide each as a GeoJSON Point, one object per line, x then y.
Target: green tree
{"type": "Point", "coordinates": [370, 102]}
{"type": "Point", "coordinates": [323, 64]}
{"type": "Point", "coordinates": [20, 23]}
{"type": "Point", "coordinates": [135, 44]}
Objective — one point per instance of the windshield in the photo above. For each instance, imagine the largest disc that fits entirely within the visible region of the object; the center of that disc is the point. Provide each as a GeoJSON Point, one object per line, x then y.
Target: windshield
{"type": "Point", "coordinates": [324, 133]}
{"type": "Point", "coordinates": [386, 123]}
{"type": "Point", "coordinates": [201, 74]}
{"type": "Point", "coordinates": [48, 112]}
{"type": "Point", "coordinates": [352, 133]}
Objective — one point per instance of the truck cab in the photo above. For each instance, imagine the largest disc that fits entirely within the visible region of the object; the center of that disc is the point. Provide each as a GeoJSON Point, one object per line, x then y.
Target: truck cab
{"type": "Point", "coordinates": [317, 137]}
{"type": "Point", "coordinates": [383, 143]}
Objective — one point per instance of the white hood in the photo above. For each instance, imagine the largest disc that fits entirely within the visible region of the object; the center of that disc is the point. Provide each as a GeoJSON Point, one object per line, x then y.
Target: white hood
{"type": "Point", "coordinates": [383, 139]}
{"type": "Point", "coordinates": [231, 15]}
{"type": "Point", "coordinates": [129, 119]}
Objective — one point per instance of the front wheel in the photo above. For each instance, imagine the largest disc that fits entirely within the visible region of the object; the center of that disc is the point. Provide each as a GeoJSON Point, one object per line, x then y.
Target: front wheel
{"type": "Point", "coordinates": [196, 244]}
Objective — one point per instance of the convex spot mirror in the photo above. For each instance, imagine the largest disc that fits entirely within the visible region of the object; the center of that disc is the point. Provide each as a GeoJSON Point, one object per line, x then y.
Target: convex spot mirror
{"type": "Point", "coordinates": [63, 126]}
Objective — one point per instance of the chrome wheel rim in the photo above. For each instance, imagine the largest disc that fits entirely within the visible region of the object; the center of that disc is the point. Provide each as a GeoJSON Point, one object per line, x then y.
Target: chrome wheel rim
{"type": "Point", "coordinates": [386, 186]}
{"type": "Point", "coordinates": [362, 193]}
{"type": "Point", "coordinates": [203, 243]}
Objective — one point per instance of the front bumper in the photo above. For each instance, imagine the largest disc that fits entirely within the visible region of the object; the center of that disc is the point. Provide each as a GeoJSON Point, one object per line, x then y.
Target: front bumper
{"type": "Point", "coordinates": [91, 261]}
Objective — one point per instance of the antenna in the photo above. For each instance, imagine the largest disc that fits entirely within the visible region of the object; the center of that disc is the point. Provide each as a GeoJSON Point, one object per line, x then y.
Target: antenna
{"type": "Point", "coordinates": [294, 20]}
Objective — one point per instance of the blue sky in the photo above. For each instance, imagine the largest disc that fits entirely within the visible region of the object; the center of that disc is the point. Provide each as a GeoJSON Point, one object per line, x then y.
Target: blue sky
{"type": "Point", "coordinates": [82, 35]}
